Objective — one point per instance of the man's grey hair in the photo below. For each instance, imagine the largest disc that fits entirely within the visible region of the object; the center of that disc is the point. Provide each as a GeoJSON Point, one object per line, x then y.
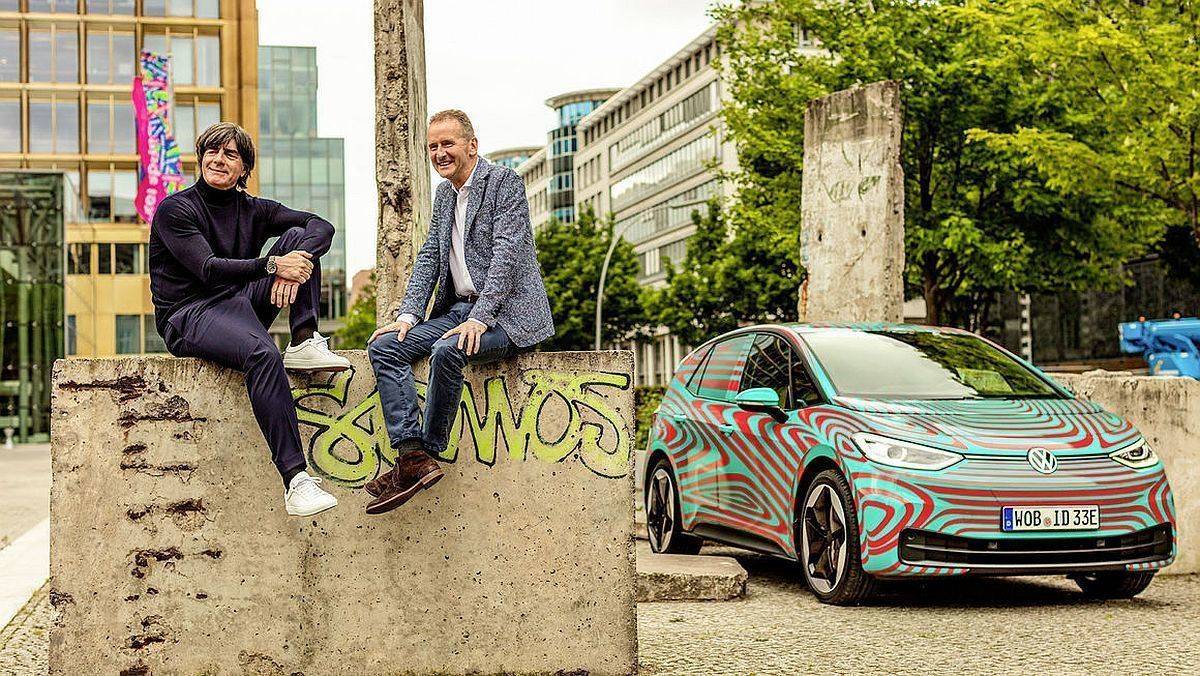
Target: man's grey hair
{"type": "Point", "coordinates": [216, 136]}
{"type": "Point", "coordinates": [458, 116]}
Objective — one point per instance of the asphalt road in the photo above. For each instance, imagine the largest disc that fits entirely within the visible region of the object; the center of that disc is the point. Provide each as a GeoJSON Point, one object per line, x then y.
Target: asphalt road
{"type": "Point", "coordinates": [950, 626]}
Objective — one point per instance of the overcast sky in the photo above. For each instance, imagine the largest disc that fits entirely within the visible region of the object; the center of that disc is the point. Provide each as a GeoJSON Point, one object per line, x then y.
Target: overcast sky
{"type": "Point", "coordinates": [498, 61]}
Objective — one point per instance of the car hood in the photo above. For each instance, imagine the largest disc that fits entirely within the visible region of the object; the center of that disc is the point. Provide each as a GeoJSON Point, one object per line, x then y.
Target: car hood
{"type": "Point", "coordinates": [997, 427]}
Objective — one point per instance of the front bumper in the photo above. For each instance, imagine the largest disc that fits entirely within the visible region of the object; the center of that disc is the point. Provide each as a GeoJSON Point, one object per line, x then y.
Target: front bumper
{"type": "Point", "coordinates": [948, 522]}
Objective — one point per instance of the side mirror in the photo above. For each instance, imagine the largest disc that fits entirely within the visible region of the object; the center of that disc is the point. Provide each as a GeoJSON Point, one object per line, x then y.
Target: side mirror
{"type": "Point", "coordinates": [761, 400]}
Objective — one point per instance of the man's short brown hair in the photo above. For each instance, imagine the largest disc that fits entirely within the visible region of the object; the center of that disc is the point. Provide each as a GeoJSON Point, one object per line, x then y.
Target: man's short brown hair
{"type": "Point", "coordinates": [458, 116]}
{"type": "Point", "coordinates": [221, 133]}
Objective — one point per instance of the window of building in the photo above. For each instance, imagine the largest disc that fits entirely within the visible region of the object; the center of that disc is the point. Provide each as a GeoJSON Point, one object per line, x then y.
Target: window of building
{"type": "Point", "coordinates": [53, 54]}
{"type": "Point", "coordinates": [110, 56]}
{"type": "Point", "coordinates": [54, 123]}
{"type": "Point", "coordinates": [10, 122]}
{"type": "Point", "coordinates": [71, 335]}
{"type": "Point", "coordinates": [10, 54]}
{"type": "Point", "coordinates": [195, 56]}
{"type": "Point", "coordinates": [79, 259]}
{"type": "Point", "coordinates": [111, 124]}
{"type": "Point", "coordinates": [668, 214]}
{"type": "Point", "coordinates": [129, 334]}
{"type": "Point", "coordinates": [111, 195]}
{"type": "Point", "coordinates": [670, 168]}
{"type": "Point", "coordinates": [154, 342]}
{"type": "Point", "coordinates": [10, 5]}
{"type": "Point", "coordinates": [664, 127]}
{"type": "Point", "coordinates": [127, 259]}
{"type": "Point", "coordinates": [192, 117]}
{"type": "Point", "coordinates": [104, 258]}
{"type": "Point", "coordinates": [203, 9]}
{"type": "Point", "coordinates": [54, 6]}
{"type": "Point", "coordinates": [110, 7]}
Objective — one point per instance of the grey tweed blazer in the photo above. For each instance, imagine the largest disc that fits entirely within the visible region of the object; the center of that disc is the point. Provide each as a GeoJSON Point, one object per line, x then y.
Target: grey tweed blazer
{"type": "Point", "coordinates": [499, 253]}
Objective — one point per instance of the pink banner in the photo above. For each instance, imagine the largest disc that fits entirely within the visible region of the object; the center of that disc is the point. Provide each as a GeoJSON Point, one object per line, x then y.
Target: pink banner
{"type": "Point", "coordinates": [160, 169]}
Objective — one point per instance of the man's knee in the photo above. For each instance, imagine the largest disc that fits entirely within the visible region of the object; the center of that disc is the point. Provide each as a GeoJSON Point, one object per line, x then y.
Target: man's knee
{"type": "Point", "coordinates": [389, 346]}
{"type": "Point", "coordinates": [291, 238]}
{"type": "Point", "coordinates": [263, 355]}
{"type": "Point", "coordinates": [447, 352]}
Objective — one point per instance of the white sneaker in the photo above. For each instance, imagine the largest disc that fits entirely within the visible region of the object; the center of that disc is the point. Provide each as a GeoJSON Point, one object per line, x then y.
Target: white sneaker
{"type": "Point", "coordinates": [313, 355]}
{"type": "Point", "coordinates": [304, 496]}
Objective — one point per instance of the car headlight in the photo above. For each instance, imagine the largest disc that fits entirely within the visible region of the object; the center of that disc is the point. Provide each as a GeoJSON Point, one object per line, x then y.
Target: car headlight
{"type": "Point", "coordinates": [1137, 456]}
{"type": "Point", "coordinates": [904, 454]}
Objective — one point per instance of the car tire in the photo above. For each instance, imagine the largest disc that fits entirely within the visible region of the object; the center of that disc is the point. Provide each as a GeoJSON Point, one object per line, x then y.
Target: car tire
{"type": "Point", "coordinates": [1113, 585]}
{"type": "Point", "coordinates": [836, 579]}
{"type": "Point", "coordinates": [664, 527]}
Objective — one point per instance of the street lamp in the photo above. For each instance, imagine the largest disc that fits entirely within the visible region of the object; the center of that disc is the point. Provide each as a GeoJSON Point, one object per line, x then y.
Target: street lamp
{"type": "Point", "coordinates": [608, 257]}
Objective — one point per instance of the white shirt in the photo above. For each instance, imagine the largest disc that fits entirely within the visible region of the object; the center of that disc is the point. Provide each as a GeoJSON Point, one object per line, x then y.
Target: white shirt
{"type": "Point", "coordinates": [463, 286]}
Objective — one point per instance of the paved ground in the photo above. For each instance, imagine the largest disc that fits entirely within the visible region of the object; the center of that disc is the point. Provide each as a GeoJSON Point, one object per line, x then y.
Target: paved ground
{"type": "Point", "coordinates": [24, 489]}
{"type": "Point", "coordinates": [25, 642]}
{"type": "Point", "coordinates": [964, 626]}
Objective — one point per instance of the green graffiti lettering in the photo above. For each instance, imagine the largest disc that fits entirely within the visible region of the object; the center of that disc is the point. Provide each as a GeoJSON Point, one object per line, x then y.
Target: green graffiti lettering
{"type": "Point", "coordinates": [350, 445]}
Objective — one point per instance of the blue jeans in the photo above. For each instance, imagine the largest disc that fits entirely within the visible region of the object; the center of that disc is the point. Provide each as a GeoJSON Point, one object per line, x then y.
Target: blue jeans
{"type": "Point", "coordinates": [392, 361]}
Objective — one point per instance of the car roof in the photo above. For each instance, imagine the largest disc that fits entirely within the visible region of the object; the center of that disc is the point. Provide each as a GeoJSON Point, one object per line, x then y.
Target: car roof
{"type": "Point", "coordinates": [823, 327]}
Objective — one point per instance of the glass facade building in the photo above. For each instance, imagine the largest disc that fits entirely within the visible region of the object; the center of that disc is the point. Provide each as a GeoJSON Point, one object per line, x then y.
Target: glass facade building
{"type": "Point", "coordinates": [568, 110]}
{"type": "Point", "coordinates": [32, 325]}
{"type": "Point", "coordinates": [512, 157]}
{"type": "Point", "coordinates": [299, 168]}
{"type": "Point", "coordinates": [66, 71]}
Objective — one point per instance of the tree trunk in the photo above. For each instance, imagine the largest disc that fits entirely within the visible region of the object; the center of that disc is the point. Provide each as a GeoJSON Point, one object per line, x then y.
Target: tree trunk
{"type": "Point", "coordinates": [400, 133]}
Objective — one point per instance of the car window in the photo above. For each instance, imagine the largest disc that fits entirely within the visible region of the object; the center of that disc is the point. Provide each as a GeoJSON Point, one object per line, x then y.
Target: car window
{"type": "Point", "coordinates": [770, 365]}
{"type": "Point", "coordinates": [696, 365]}
{"type": "Point", "coordinates": [804, 390]}
{"type": "Point", "coordinates": [723, 369]}
{"type": "Point", "coordinates": [907, 364]}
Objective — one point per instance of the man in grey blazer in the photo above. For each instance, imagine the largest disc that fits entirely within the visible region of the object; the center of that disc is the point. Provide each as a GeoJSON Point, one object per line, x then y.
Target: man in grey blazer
{"type": "Point", "coordinates": [489, 302]}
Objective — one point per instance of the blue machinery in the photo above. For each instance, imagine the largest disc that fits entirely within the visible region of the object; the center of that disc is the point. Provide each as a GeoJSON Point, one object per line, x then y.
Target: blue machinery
{"type": "Point", "coordinates": [1168, 345]}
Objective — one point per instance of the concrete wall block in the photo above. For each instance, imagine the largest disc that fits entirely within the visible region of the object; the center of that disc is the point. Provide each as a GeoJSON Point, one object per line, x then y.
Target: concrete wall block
{"type": "Point", "coordinates": [1167, 412]}
{"type": "Point", "coordinates": [171, 551]}
{"type": "Point", "coordinates": [852, 240]}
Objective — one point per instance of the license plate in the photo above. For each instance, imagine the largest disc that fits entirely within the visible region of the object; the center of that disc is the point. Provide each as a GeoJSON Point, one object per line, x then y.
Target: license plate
{"type": "Point", "coordinates": [1060, 517]}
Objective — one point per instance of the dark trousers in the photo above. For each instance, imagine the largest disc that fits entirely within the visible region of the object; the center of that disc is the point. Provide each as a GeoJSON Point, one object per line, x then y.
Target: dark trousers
{"type": "Point", "coordinates": [392, 361]}
{"type": "Point", "coordinates": [231, 330]}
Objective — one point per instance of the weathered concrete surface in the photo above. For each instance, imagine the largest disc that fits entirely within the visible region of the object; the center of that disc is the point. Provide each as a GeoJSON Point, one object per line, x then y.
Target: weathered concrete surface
{"type": "Point", "coordinates": [171, 549]}
{"type": "Point", "coordinates": [401, 166]}
{"type": "Point", "coordinates": [676, 577]}
{"type": "Point", "coordinates": [1167, 412]}
{"type": "Point", "coordinates": [852, 204]}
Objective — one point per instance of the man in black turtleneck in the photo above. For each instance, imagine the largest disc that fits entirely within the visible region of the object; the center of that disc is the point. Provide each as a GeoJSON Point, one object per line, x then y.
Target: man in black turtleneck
{"type": "Point", "coordinates": [214, 295]}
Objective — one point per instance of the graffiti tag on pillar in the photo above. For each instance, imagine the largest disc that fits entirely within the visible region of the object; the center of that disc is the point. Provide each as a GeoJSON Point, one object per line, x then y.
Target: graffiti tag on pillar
{"type": "Point", "coordinates": [564, 415]}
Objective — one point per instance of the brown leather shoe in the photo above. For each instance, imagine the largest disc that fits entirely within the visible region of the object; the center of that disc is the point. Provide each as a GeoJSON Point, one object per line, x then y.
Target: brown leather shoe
{"type": "Point", "coordinates": [414, 470]}
{"type": "Point", "coordinates": [375, 486]}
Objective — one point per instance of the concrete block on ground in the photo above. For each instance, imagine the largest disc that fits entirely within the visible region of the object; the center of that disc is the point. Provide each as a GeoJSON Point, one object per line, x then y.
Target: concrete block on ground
{"type": "Point", "coordinates": [852, 204]}
{"type": "Point", "coordinates": [1167, 412]}
{"type": "Point", "coordinates": [171, 551]}
{"type": "Point", "coordinates": [676, 577]}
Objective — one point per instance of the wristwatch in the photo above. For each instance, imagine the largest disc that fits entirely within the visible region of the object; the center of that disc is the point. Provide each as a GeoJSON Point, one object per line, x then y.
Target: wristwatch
{"type": "Point", "coordinates": [272, 266]}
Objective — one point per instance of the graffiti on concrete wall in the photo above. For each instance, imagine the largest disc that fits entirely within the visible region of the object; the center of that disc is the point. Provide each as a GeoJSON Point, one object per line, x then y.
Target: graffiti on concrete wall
{"type": "Point", "coordinates": [563, 415]}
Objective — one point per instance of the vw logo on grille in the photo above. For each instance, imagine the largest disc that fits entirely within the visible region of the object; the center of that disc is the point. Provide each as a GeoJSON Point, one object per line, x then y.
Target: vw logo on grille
{"type": "Point", "coordinates": [1042, 460]}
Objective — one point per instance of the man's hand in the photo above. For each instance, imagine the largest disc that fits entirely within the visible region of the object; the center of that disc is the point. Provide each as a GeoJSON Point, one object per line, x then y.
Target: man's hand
{"type": "Point", "coordinates": [294, 266]}
{"type": "Point", "coordinates": [283, 292]}
{"type": "Point", "coordinates": [399, 328]}
{"type": "Point", "coordinates": [468, 335]}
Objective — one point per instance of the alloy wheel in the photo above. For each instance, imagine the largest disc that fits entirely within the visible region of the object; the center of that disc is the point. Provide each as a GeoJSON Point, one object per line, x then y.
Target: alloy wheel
{"type": "Point", "coordinates": [823, 539]}
{"type": "Point", "coordinates": [660, 510]}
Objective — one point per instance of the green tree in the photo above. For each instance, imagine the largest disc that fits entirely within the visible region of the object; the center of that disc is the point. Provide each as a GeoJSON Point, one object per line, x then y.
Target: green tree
{"type": "Point", "coordinates": [1118, 82]}
{"type": "Point", "coordinates": [978, 218]}
{"type": "Point", "coordinates": [571, 255]}
{"type": "Point", "coordinates": [360, 320]}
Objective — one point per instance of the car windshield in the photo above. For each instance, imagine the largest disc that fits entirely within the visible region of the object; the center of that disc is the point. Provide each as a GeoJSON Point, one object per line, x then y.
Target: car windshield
{"type": "Point", "coordinates": [922, 365]}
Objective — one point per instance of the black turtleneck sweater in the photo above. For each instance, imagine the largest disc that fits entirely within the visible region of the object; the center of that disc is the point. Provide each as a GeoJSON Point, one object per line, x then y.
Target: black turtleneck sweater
{"type": "Point", "coordinates": [206, 242]}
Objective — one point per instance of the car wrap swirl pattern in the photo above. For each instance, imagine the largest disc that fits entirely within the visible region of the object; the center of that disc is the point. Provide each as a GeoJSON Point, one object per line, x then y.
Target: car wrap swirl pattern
{"type": "Point", "coordinates": [746, 477]}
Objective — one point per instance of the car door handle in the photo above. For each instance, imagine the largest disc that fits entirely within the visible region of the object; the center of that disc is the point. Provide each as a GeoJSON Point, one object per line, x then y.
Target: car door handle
{"type": "Point", "coordinates": [727, 429]}
{"type": "Point", "coordinates": [678, 417]}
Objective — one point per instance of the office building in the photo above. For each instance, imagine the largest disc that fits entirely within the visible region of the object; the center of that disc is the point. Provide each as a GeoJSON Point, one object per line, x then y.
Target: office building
{"type": "Point", "coordinates": [299, 168]}
{"type": "Point", "coordinates": [66, 72]}
{"type": "Point", "coordinates": [650, 156]}
{"type": "Point", "coordinates": [549, 174]}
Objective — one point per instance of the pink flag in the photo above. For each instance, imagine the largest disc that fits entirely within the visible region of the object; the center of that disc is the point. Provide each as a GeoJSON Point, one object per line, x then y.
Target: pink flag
{"type": "Point", "coordinates": [160, 170]}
